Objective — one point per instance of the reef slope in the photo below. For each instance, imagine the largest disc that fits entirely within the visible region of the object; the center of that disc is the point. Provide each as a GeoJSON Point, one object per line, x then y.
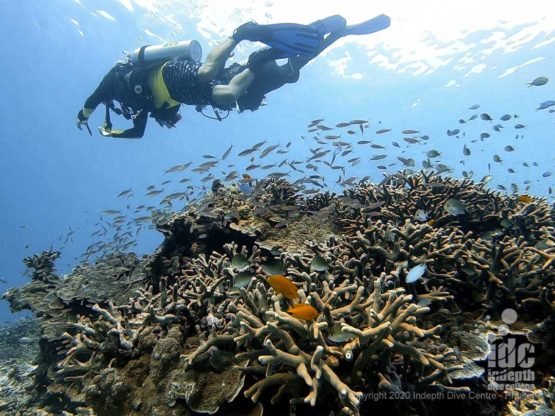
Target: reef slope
{"type": "Point", "coordinates": [409, 296]}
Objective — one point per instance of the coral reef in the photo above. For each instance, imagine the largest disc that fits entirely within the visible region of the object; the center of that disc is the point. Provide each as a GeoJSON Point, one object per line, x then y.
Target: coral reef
{"type": "Point", "coordinates": [42, 265]}
{"type": "Point", "coordinates": [404, 289]}
{"type": "Point", "coordinates": [18, 348]}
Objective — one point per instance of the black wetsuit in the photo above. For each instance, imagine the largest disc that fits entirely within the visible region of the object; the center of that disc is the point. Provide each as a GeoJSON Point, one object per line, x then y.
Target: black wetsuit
{"type": "Point", "coordinates": [112, 88]}
{"type": "Point", "coordinates": [120, 84]}
{"type": "Point", "coordinates": [268, 77]}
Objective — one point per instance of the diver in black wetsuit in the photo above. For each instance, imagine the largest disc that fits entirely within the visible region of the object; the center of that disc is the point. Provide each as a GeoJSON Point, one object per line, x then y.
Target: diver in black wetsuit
{"type": "Point", "coordinates": [159, 89]}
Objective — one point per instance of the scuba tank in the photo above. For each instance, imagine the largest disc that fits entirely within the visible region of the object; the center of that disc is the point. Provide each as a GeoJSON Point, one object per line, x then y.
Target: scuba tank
{"type": "Point", "coordinates": [189, 49]}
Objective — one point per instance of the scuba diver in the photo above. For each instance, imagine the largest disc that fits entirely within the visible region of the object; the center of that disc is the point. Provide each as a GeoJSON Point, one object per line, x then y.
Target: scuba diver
{"type": "Point", "coordinates": [156, 80]}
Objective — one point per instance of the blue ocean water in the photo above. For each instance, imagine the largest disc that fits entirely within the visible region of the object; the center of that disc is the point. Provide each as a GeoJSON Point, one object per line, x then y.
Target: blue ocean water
{"type": "Point", "coordinates": [423, 73]}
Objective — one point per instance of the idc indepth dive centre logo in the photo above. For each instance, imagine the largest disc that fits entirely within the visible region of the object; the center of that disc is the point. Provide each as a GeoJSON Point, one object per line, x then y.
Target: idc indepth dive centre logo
{"type": "Point", "coordinates": [510, 365]}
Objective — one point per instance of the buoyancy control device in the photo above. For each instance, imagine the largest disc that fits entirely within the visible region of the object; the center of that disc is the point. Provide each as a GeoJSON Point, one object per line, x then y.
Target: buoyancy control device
{"type": "Point", "coordinates": [131, 90]}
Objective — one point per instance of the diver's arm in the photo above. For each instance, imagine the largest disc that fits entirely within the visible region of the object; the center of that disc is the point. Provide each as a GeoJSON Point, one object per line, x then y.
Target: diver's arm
{"type": "Point", "coordinates": [104, 92]}
{"type": "Point", "coordinates": [135, 132]}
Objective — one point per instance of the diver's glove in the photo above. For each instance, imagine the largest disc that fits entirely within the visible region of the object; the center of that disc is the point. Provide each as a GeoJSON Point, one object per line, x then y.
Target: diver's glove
{"type": "Point", "coordinates": [105, 132]}
{"type": "Point", "coordinates": [83, 120]}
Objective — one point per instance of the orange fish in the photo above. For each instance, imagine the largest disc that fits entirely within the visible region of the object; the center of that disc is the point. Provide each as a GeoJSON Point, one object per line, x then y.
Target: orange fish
{"type": "Point", "coordinates": [525, 198]}
{"type": "Point", "coordinates": [283, 285]}
{"type": "Point", "coordinates": [303, 311]}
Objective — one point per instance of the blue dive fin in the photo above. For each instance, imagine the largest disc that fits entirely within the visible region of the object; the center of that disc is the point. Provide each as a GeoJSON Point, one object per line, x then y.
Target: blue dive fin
{"type": "Point", "coordinates": [375, 24]}
{"type": "Point", "coordinates": [331, 24]}
{"type": "Point", "coordinates": [294, 39]}
{"type": "Point", "coordinates": [290, 38]}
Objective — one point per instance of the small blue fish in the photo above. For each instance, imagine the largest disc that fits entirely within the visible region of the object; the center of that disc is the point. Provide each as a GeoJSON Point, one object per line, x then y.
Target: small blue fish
{"type": "Point", "coordinates": [546, 104]}
{"type": "Point", "coordinates": [421, 215]}
{"type": "Point", "coordinates": [416, 273]}
{"type": "Point", "coordinates": [538, 82]}
{"type": "Point", "coordinates": [454, 206]}
{"type": "Point", "coordinates": [245, 188]}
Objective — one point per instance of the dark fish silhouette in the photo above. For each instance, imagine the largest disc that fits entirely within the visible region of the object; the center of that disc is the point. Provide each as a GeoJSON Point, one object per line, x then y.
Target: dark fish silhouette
{"type": "Point", "coordinates": [227, 152]}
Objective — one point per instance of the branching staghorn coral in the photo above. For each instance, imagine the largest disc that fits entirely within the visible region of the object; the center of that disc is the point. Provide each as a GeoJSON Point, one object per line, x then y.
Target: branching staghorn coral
{"type": "Point", "coordinates": [401, 195]}
{"type": "Point", "coordinates": [42, 265]}
{"type": "Point", "coordinates": [373, 322]}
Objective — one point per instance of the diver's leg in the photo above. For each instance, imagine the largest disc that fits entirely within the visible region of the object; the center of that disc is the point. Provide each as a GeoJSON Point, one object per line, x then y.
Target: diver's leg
{"type": "Point", "coordinates": [298, 62]}
{"type": "Point", "coordinates": [215, 60]}
{"type": "Point", "coordinates": [334, 26]}
{"type": "Point", "coordinates": [228, 94]}
{"type": "Point", "coordinates": [217, 57]}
